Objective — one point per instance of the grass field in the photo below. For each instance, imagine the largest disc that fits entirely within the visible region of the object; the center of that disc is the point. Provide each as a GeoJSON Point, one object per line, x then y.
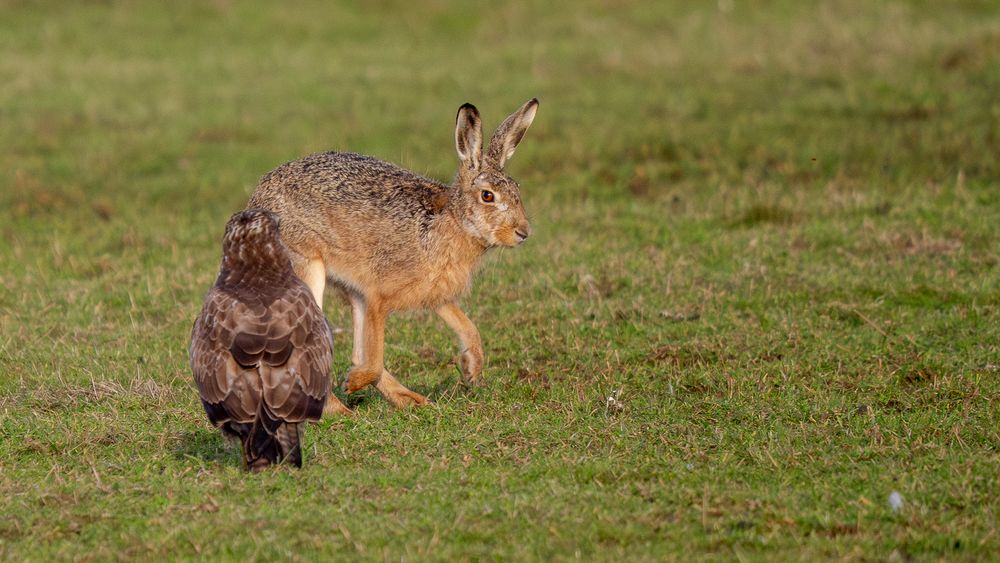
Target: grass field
{"type": "Point", "coordinates": [769, 232]}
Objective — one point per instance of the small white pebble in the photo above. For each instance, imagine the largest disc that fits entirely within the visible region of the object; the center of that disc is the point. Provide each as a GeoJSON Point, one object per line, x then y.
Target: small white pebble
{"type": "Point", "coordinates": [895, 501]}
{"type": "Point", "coordinates": [613, 403]}
{"type": "Point", "coordinates": [690, 467]}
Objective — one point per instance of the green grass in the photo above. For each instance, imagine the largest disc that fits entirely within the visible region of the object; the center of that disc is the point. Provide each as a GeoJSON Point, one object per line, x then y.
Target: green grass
{"type": "Point", "coordinates": [770, 230]}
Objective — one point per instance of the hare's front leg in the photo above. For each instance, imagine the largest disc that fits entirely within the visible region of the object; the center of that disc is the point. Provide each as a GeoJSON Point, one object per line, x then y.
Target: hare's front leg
{"type": "Point", "coordinates": [471, 359]}
{"type": "Point", "coordinates": [312, 273]}
{"type": "Point", "coordinates": [393, 391]}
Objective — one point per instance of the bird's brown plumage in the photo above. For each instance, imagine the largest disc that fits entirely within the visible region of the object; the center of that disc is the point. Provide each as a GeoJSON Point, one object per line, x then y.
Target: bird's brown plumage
{"type": "Point", "coordinates": [261, 349]}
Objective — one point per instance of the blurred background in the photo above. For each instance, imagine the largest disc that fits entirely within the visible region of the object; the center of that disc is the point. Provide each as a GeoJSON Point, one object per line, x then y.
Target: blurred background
{"type": "Point", "coordinates": [132, 129]}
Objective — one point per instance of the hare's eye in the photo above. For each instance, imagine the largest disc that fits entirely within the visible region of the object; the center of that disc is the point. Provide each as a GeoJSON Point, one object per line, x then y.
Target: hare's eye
{"type": "Point", "coordinates": [487, 196]}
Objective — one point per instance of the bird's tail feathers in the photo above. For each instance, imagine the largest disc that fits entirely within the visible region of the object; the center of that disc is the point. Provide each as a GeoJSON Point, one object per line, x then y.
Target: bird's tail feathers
{"type": "Point", "coordinates": [271, 441]}
{"type": "Point", "coordinates": [289, 437]}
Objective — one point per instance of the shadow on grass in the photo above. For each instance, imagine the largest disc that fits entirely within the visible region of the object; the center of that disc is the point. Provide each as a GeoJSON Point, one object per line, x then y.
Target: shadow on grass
{"type": "Point", "coordinates": [448, 388]}
{"type": "Point", "coordinates": [208, 445]}
{"type": "Point", "coordinates": [452, 387]}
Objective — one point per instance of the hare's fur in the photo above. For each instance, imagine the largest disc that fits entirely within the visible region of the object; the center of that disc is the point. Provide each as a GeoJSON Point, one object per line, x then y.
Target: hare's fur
{"type": "Point", "coordinates": [391, 240]}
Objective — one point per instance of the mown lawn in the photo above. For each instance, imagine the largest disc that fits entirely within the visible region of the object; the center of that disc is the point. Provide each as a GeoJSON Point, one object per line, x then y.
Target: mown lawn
{"type": "Point", "coordinates": [770, 232]}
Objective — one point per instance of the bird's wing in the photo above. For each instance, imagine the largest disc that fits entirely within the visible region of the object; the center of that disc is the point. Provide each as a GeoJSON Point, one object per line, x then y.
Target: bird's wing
{"type": "Point", "coordinates": [295, 356]}
{"type": "Point", "coordinates": [288, 343]}
{"type": "Point", "coordinates": [230, 390]}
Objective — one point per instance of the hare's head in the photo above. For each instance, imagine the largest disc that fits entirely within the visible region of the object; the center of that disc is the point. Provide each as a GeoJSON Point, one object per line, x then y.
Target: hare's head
{"type": "Point", "coordinates": [487, 199]}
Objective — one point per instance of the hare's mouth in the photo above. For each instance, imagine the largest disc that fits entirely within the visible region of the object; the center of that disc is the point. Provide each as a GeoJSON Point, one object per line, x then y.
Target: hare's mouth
{"type": "Point", "coordinates": [511, 236]}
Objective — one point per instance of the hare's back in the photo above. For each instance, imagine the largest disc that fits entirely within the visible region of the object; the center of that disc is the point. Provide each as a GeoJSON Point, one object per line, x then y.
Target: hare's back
{"type": "Point", "coordinates": [352, 178]}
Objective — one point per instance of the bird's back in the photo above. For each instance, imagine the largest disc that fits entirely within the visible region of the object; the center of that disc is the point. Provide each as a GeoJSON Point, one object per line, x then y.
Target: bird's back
{"type": "Point", "coordinates": [248, 355]}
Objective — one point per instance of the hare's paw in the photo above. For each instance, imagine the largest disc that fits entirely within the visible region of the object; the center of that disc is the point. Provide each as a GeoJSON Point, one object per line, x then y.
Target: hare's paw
{"type": "Point", "coordinates": [405, 398]}
{"type": "Point", "coordinates": [360, 377]}
{"type": "Point", "coordinates": [334, 406]}
{"type": "Point", "coordinates": [471, 364]}
{"type": "Point", "coordinates": [397, 394]}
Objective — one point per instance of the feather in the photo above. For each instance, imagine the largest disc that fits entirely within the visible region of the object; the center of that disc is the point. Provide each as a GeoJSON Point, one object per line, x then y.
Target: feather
{"type": "Point", "coordinates": [261, 349]}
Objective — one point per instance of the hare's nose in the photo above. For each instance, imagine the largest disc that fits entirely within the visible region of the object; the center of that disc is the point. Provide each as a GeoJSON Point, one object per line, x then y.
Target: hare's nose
{"type": "Point", "coordinates": [522, 232]}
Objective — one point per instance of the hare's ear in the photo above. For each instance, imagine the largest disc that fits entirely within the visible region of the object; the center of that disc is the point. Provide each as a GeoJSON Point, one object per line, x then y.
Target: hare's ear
{"type": "Point", "coordinates": [469, 136]}
{"type": "Point", "coordinates": [509, 134]}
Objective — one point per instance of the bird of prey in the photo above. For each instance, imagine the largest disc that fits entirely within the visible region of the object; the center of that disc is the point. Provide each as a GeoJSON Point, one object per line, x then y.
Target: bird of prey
{"type": "Point", "coordinates": [261, 349]}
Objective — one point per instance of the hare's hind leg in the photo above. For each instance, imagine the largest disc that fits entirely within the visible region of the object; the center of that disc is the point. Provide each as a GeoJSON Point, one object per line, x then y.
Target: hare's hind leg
{"type": "Point", "coordinates": [471, 359]}
{"type": "Point", "coordinates": [313, 274]}
{"type": "Point", "coordinates": [372, 339]}
{"type": "Point", "coordinates": [387, 385]}
{"type": "Point", "coordinates": [397, 394]}
{"type": "Point", "coordinates": [358, 323]}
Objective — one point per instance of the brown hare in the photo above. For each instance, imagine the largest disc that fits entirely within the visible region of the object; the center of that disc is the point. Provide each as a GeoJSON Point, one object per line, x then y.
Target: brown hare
{"type": "Point", "coordinates": [392, 240]}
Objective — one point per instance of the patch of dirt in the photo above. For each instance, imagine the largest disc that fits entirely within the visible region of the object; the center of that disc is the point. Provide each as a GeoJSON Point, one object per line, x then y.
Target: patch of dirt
{"type": "Point", "coordinates": [919, 243]}
{"type": "Point", "coordinates": [598, 287]}
{"type": "Point", "coordinates": [533, 378]}
{"type": "Point", "coordinates": [427, 353]}
{"type": "Point", "coordinates": [764, 214]}
{"type": "Point", "coordinates": [685, 356]}
{"type": "Point", "coordinates": [912, 112]}
{"type": "Point", "coordinates": [682, 315]}
{"type": "Point", "coordinates": [975, 52]}
{"type": "Point", "coordinates": [838, 530]}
